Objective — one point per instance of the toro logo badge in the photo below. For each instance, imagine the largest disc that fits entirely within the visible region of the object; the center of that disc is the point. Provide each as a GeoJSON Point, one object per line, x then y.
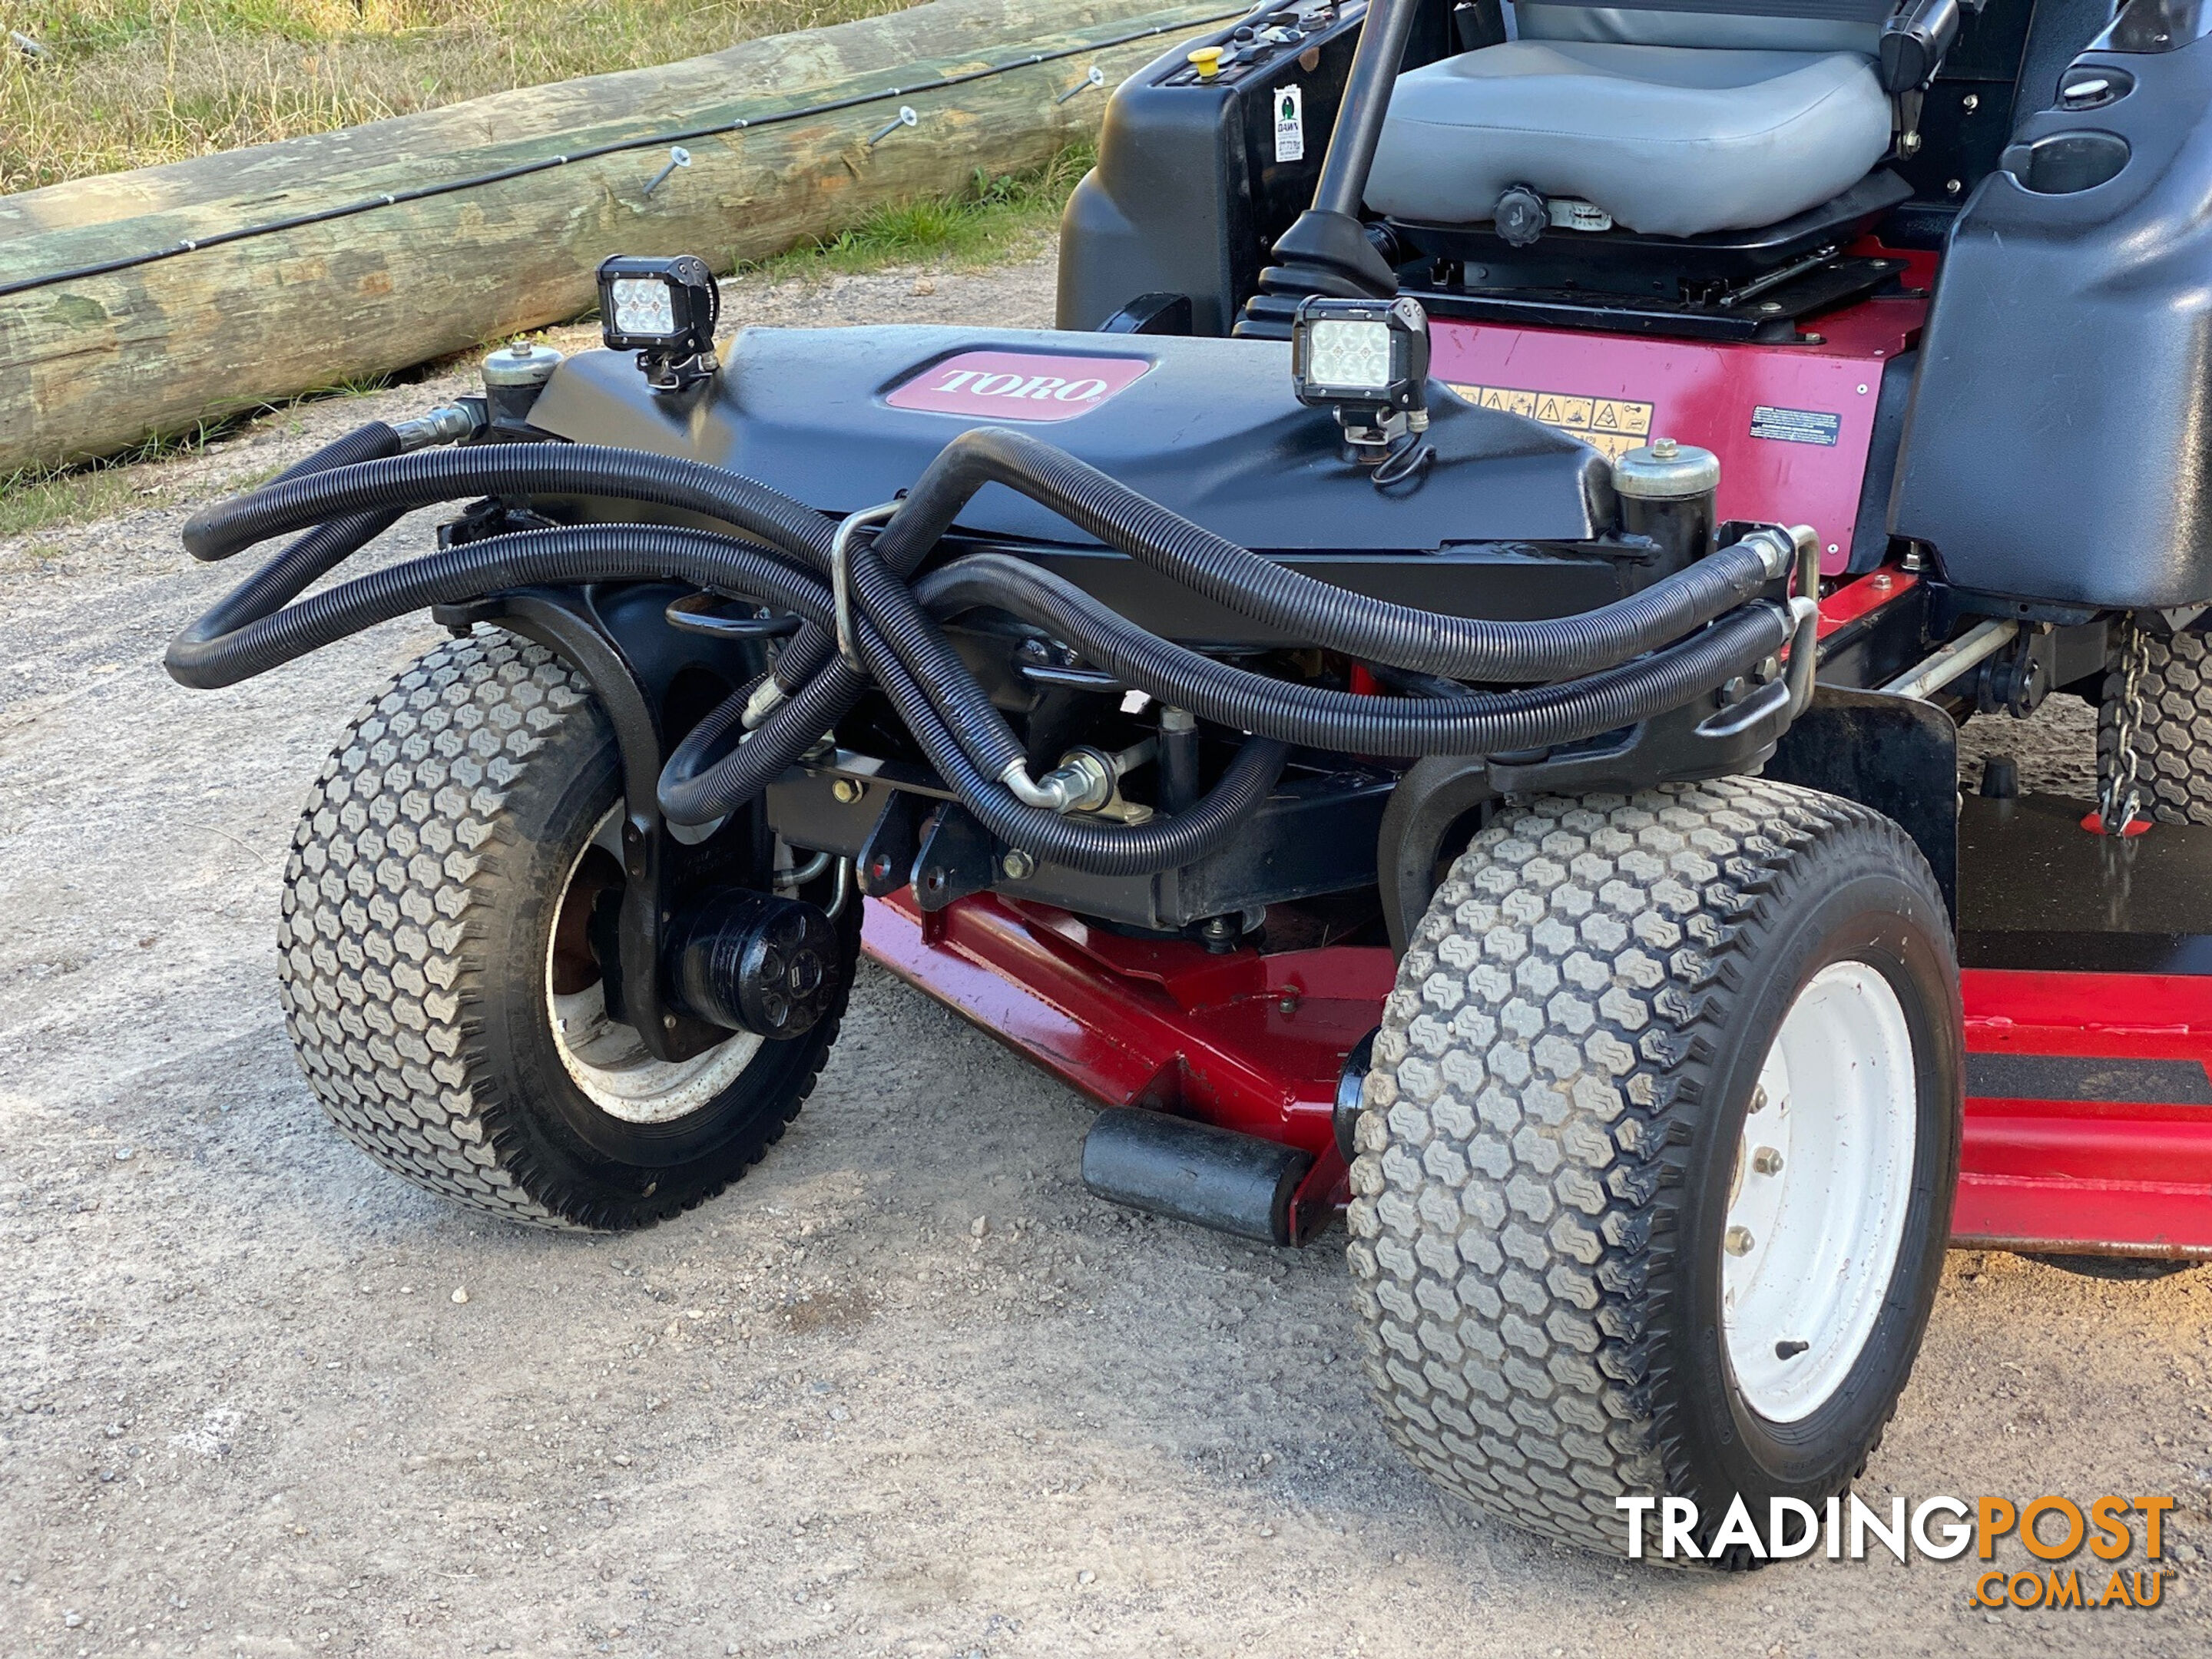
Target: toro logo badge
{"type": "Point", "coordinates": [1019, 385]}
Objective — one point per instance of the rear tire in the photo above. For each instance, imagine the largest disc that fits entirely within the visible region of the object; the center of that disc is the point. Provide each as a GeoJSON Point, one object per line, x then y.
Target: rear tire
{"type": "Point", "coordinates": [1554, 1172]}
{"type": "Point", "coordinates": [436, 972]}
{"type": "Point", "coordinates": [2173, 739]}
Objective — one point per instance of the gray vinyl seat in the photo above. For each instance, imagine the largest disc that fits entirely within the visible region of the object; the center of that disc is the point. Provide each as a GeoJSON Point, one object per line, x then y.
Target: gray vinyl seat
{"type": "Point", "coordinates": [1674, 123]}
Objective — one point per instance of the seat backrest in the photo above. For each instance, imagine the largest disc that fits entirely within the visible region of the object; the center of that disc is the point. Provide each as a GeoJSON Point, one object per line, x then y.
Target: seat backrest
{"type": "Point", "coordinates": [1753, 26]}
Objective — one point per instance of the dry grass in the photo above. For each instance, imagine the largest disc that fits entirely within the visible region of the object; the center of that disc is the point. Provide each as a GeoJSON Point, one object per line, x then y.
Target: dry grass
{"type": "Point", "coordinates": [132, 83]}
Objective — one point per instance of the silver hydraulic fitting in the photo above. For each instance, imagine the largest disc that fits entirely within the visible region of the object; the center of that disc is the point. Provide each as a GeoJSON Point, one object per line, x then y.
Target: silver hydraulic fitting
{"type": "Point", "coordinates": [1782, 550]}
{"type": "Point", "coordinates": [767, 698]}
{"type": "Point", "coordinates": [1087, 779]}
{"type": "Point", "coordinates": [451, 424]}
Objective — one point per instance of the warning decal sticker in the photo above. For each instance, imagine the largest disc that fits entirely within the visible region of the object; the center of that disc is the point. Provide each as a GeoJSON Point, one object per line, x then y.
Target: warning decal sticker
{"type": "Point", "coordinates": [1612, 425]}
{"type": "Point", "coordinates": [1291, 124]}
{"type": "Point", "coordinates": [1796, 426]}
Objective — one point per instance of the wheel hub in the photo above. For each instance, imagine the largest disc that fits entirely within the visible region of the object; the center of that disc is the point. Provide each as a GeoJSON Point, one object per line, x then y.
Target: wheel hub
{"type": "Point", "coordinates": [1817, 1204]}
{"type": "Point", "coordinates": [604, 1057]}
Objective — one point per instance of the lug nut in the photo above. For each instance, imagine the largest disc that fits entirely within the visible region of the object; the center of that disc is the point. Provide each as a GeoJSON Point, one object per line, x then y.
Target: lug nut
{"type": "Point", "coordinates": [1758, 1098]}
{"type": "Point", "coordinates": [848, 790]}
{"type": "Point", "coordinates": [1766, 1160]}
{"type": "Point", "coordinates": [1739, 1241]}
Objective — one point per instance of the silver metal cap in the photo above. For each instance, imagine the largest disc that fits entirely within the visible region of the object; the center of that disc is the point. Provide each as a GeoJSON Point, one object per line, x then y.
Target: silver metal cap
{"type": "Point", "coordinates": [1664, 471]}
{"type": "Point", "coordinates": [520, 364]}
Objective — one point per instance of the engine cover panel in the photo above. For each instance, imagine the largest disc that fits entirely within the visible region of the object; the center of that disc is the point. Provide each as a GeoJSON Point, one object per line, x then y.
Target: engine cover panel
{"type": "Point", "coordinates": [845, 418]}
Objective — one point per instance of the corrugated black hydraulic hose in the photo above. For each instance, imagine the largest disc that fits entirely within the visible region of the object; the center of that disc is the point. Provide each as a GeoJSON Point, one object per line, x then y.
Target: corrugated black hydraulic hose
{"type": "Point", "coordinates": [285, 577]}
{"type": "Point", "coordinates": [415, 481]}
{"type": "Point", "coordinates": [1316, 612]}
{"type": "Point", "coordinates": [810, 650]}
{"type": "Point", "coordinates": [1474, 723]}
{"type": "Point", "coordinates": [705, 777]}
{"type": "Point", "coordinates": [1098, 849]}
{"type": "Point", "coordinates": [263, 623]}
{"type": "Point", "coordinates": [408, 482]}
{"type": "Point", "coordinates": [1076, 843]}
{"type": "Point", "coordinates": [371, 442]}
{"type": "Point", "coordinates": [968, 711]}
{"type": "Point", "coordinates": [584, 553]}
{"type": "Point", "coordinates": [650, 552]}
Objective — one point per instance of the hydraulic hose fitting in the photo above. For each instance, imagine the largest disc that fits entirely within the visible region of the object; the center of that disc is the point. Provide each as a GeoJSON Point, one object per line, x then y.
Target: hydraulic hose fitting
{"type": "Point", "coordinates": [1085, 780]}
{"type": "Point", "coordinates": [1082, 782]}
{"type": "Point", "coordinates": [1778, 550]}
{"type": "Point", "coordinates": [768, 697]}
{"type": "Point", "coordinates": [451, 424]}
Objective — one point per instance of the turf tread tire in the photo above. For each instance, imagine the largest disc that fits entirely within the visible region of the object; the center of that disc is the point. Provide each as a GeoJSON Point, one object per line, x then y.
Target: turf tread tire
{"type": "Point", "coordinates": [404, 847]}
{"type": "Point", "coordinates": [1525, 1128]}
{"type": "Point", "coordinates": [2173, 740]}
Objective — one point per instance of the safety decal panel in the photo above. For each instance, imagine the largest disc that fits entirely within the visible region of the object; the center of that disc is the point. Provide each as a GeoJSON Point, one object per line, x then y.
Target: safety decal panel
{"type": "Point", "coordinates": [1612, 425]}
{"type": "Point", "coordinates": [1791, 422]}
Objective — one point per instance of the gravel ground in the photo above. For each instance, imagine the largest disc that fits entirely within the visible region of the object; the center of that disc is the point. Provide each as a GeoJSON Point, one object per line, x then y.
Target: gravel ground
{"type": "Point", "coordinates": [908, 1389]}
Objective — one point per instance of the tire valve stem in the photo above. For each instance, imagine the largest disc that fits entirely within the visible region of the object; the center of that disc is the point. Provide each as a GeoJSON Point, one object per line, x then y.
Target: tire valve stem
{"type": "Point", "coordinates": [1789, 1350]}
{"type": "Point", "coordinates": [1739, 1241]}
{"type": "Point", "coordinates": [1766, 1160]}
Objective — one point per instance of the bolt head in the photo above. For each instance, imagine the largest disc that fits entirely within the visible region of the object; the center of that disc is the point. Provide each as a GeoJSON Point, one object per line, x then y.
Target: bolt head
{"type": "Point", "coordinates": [1739, 1241]}
{"type": "Point", "coordinates": [1018, 864]}
{"type": "Point", "coordinates": [1767, 1161]}
{"type": "Point", "coordinates": [848, 790]}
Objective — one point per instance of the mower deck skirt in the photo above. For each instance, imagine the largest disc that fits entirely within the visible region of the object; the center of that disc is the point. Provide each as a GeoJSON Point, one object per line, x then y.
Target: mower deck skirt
{"type": "Point", "coordinates": [2089, 1095]}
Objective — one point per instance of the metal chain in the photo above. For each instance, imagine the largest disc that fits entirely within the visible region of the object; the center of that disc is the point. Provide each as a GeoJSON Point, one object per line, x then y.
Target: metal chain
{"type": "Point", "coordinates": [2119, 802]}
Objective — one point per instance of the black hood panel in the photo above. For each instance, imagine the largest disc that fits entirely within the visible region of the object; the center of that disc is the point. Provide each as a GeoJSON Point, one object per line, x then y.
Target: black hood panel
{"type": "Point", "coordinates": [1208, 427]}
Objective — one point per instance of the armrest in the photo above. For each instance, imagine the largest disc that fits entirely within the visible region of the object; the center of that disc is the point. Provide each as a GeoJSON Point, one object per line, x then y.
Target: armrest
{"type": "Point", "coordinates": [1913, 42]}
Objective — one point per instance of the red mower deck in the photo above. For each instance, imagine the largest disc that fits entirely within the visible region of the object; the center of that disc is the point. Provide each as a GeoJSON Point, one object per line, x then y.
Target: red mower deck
{"type": "Point", "coordinates": [2088, 1110]}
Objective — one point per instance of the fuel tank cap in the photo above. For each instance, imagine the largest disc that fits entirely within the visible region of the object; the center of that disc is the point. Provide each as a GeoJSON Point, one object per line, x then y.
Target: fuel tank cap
{"type": "Point", "coordinates": [1665, 471]}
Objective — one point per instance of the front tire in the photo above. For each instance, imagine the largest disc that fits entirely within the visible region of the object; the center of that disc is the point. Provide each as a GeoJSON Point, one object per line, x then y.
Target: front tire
{"type": "Point", "coordinates": [438, 978]}
{"type": "Point", "coordinates": [1580, 1279]}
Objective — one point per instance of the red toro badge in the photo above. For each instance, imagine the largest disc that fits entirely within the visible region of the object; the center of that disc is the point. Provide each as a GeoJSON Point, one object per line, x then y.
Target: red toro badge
{"type": "Point", "coordinates": [1019, 385]}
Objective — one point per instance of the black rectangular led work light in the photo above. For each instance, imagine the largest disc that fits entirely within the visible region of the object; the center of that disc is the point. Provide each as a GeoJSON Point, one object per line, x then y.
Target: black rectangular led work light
{"type": "Point", "coordinates": [1370, 353]}
{"type": "Point", "coordinates": [664, 310]}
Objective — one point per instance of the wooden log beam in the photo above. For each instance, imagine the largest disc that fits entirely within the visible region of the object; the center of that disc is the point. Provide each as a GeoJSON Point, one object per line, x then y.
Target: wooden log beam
{"type": "Point", "coordinates": [91, 365]}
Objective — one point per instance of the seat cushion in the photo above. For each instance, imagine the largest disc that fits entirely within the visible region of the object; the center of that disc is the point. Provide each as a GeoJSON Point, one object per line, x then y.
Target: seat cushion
{"type": "Point", "coordinates": [1671, 140]}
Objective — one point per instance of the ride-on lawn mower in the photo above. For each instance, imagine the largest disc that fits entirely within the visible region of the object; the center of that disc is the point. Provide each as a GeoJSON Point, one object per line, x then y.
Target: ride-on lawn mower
{"type": "Point", "coordinates": [1432, 695]}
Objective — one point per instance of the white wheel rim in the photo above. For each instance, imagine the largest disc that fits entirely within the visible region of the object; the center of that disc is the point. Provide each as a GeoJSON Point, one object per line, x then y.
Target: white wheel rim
{"type": "Point", "coordinates": [606, 1059]}
{"type": "Point", "coordinates": [1823, 1180]}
